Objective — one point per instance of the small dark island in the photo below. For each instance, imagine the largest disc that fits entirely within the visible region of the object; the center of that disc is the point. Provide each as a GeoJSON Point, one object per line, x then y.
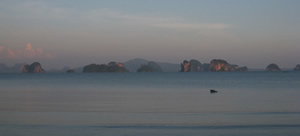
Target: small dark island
{"type": "Point", "coordinates": [272, 67]}
{"type": "Point", "coordinates": [297, 68]}
{"type": "Point", "coordinates": [70, 71]}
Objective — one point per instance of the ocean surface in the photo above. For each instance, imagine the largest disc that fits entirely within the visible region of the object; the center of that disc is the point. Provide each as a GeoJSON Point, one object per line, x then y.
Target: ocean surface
{"type": "Point", "coordinates": [150, 104]}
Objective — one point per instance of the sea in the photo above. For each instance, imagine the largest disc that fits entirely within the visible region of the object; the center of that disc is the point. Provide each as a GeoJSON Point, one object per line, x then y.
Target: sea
{"type": "Point", "coordinates": [150, 104]}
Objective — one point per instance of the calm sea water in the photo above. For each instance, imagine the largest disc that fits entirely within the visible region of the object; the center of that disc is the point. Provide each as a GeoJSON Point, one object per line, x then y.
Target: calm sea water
{"type": "Point", "coordinates": [134, 104]}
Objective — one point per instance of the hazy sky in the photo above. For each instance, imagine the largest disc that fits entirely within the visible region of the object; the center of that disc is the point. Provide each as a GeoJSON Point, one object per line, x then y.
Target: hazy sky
{"type": "Point", "coordinates": [74, 33]}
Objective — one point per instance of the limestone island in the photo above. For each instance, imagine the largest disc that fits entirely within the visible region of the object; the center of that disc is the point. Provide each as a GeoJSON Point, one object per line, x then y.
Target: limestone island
{"type": "Point", "coordinates": [150, 67]}
{"type": "Point", "coordinates": [35, 67]}
{"type": "Point", "coordinates": [216, 65]}
{"type": "Point", "coordinates": [110, 67]}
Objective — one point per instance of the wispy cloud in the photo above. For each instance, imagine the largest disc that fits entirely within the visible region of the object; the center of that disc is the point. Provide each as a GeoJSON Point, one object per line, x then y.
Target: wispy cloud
{"type": "Point", "coordinates": [41, 9]}
{"type": "Point", "coordinates": [97, 17]}
{"type": "Point", "coordinates": [28, 53]}
{"type": "Point", "coordinates": [187, 26]}
{"type": "Point", "coordinates": [113, 16]}
{"type": "Point", "coordinates": [142, 22]}
{"type": "Point", "coordinates": [177, 23]}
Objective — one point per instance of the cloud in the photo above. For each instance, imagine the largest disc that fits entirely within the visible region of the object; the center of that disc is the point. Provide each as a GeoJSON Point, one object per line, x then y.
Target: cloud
{"type": "Point", "coordinates": [187, 26]}
{"type": "Point", "coordinates": [106, 17]}
{"type": "Point", "coordinates": [138, 18]}
{"type": "Point", "coordinates": [2, 48]}
{"type": "Point", "coordinates": [216, 30]}
{"type": "Point", "coordinates": [28, 53]}
{"type": "Point", "coordinates": [110, 16]}
{"type": "Point", "coordinates": [175, 23]}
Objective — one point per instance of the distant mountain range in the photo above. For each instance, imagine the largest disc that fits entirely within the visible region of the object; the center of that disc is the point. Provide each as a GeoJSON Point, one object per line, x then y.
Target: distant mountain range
{"type": "Point", "coordinates": [14, 69]}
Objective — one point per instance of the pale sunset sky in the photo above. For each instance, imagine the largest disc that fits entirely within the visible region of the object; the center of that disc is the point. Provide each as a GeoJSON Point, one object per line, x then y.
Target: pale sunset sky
{"type": "Point", "coordinates": [75, 33]}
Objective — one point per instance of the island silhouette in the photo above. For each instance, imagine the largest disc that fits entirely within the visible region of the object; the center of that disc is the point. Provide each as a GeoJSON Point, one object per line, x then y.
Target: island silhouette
{"type": "Point", "coordinates": [141, 65]}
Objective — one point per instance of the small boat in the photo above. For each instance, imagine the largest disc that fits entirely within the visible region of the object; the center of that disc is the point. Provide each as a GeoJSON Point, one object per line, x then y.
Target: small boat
{"type": "Point", "coordinates": [213, 91]}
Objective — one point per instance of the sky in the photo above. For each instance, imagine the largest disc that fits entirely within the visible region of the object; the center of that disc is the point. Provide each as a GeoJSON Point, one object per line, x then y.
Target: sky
{"type": "Point", "coordinates": [58, 33]}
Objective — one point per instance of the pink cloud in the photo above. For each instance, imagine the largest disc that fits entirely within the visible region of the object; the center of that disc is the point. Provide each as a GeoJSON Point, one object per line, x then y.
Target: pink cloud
{"type": "Point", "coordinates": [11, 53]}
{"type": "Point", "coordinates": [1, 48]}
{"type": "Point", "coordinates": [28, 52]}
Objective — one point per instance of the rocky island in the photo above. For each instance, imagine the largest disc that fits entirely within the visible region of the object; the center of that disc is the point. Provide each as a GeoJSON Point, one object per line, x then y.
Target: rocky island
{"type": "Point", "coordinates": [191, 66]}
{"type": "Point", "coordinates": [35, 67]}
{"type": "Point", "coordinates": [219, 65]}
{"type": "Point", "coordinates": [110, 67]}
{"type": "Point", "coordinates": [216, 65]}
{"type": "Point", "coordinates": [150, 67]}
{"type": "Point", "coordinates": [272, 67]}
{"type": "Point", "coordinates": [297, 68]}
{"type": "Point", "coordinates": [134, 64]}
